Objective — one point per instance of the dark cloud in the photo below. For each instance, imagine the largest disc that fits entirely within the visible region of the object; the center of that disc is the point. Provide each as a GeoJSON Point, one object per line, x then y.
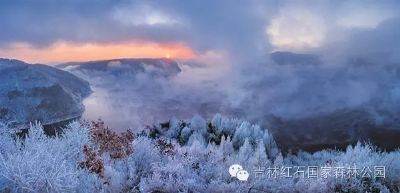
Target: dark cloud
{"type": "Point", "coordinates": [383, 39]}
{"type": "Point", "coordinates": [43, 22]}
{"type": "Point", "coordinates": [235, 26]}
{"type": "Point", "coordinates": [238, 26]}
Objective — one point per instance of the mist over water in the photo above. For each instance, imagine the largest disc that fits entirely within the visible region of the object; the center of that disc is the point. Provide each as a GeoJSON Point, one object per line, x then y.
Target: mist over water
{"type": "Point", "coordinates": [135, 100]}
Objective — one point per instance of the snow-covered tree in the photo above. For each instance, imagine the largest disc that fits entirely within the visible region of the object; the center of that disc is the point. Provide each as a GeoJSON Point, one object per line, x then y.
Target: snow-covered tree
{"type": "Point", "coordinates": [184, 156]}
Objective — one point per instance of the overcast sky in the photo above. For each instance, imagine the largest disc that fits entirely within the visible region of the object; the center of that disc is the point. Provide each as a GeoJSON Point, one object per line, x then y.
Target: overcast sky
{"type": "Point", "coordinates": [59, 31]}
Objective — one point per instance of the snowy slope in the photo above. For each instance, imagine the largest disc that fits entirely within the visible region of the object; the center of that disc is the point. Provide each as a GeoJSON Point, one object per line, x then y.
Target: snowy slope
{"type": "Point", "coordinates": [38, 92]}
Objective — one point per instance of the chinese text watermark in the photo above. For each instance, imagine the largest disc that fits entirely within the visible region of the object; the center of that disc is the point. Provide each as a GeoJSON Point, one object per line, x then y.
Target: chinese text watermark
{"type": "Point", "coordinates": [319, 172]}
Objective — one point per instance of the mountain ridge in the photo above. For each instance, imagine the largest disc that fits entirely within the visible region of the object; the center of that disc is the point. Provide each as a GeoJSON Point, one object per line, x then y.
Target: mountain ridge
{"type": "Point", "coordinates": [38, 92]}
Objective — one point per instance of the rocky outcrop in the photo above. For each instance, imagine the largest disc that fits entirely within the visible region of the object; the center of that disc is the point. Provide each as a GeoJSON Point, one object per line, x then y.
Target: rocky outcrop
{"type": "Point", "coordinates": [120, 67]}
{"type": "Point", "coordinates": [36, 92]}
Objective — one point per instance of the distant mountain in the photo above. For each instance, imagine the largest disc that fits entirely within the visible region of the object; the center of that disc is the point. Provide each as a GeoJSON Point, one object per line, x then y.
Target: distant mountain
{"type": "Point", "coordinates": [30, 92]}
{"type": "Point", "coordinates": [287, 58]}
{"type": "Point", "coordinates": [154, 66]}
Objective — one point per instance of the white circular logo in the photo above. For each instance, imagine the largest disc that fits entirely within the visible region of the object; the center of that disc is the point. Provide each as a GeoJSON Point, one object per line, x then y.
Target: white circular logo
{"type": "Point", "coordinates": [238, 172]}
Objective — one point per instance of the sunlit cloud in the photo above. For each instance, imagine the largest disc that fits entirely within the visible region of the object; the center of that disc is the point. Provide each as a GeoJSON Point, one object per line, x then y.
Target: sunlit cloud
{"type": "Point", "coordinates": [65, 52]}
{"type": "Point", "coordinates": [296, 30]}
{"type": "Point", "coordinates": [298, 26]}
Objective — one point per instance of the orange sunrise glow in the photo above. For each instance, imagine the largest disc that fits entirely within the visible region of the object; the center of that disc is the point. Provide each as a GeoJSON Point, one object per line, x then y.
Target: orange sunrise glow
{"type": "Point", "coordinates": [66, 52]}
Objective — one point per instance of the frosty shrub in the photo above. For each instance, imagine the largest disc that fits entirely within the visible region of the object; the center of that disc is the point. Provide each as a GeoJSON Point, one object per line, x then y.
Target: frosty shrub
{"type": "Point", "coordinates": [92, 162]}
{"type": "Point", "coordinates": [177, 156]}
{"type": "Point", "coordinates": [107, 140]}
{"type": "Point", "coordinates": [41, 164]}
